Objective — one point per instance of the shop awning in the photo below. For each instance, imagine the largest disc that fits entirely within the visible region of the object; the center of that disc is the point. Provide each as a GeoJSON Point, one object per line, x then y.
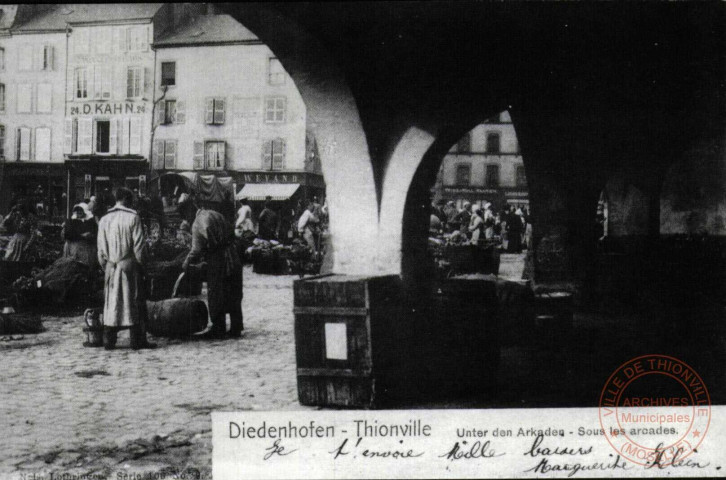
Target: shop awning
{"type": "Point", "coordinates": [260, 191]}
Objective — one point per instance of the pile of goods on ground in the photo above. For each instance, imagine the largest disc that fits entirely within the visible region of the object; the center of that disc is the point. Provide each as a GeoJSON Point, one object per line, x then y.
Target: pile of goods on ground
{"type": "Point", "coordinates": [20, 324]}
{"type": "Point", "coordinates": [66, 281]}
{"type": "Point", "coordinates": [453, 253]}
{"type": "Point", "coordinates": [272, 257]}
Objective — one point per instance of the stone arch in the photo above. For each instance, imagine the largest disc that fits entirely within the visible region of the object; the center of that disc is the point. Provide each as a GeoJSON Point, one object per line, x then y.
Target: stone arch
{"type": "Point", "coordinates": [334, 119]}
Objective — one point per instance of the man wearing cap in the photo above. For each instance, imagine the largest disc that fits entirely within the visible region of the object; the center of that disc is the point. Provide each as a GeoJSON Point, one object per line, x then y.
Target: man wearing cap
{"type": "Point", "coordinates": [213, 239]}
{"type": "Point", "coordinates": [122, 254]}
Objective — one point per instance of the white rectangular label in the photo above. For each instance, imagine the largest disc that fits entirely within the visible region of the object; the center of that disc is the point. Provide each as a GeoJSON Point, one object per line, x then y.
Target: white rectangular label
{"type": "Point", "coordinates": [336, 341]}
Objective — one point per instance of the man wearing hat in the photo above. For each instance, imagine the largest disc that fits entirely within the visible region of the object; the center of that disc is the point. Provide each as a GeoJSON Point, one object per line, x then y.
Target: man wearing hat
{"type": "Point", "coordinates": [464, 218]}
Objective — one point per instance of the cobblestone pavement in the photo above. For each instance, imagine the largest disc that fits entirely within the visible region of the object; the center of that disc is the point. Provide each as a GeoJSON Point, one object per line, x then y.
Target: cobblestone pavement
{"type": "Point", "coordinates": [69, 409]}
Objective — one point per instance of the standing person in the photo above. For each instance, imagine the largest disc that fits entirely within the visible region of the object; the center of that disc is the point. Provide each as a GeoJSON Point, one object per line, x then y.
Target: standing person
{"type": "Point", "coordinates": [244, 218]}
{"type": "Point", "coordinates": [122, 253]}
{"type": "Point", "coordinates": [213, 238]}
{"type": "Point", "coordinates": [450, 213]}
{"type": "Point", "coordinates": [514, 232]}
{"type": "Point", "coordinates": [268, 223]}
{"type": "Point", "coordinates": [306, 225]}
{"type": "Point", "coordinates": [23, 224]}
{"type": "Point", "coordinates": [464, 218]}
{"type": "Point", "coordinates": [488, 218]}
{"type": "Point", "coordinates": [80, 234]}
{"type": "Point", "coordinates": [476, 225]}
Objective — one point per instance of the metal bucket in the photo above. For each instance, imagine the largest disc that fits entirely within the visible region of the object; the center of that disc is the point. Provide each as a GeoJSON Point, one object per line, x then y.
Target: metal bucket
{"type": "Point", "coordinates": [93, 328]}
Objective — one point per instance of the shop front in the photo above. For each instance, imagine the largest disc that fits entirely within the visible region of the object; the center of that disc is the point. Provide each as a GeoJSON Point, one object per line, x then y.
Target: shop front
{"type": "Point", "coordinates": [500, 198]}
{"type": "Point", "coordinates": [101, 176]}
{"type": "Point", "coordinates": [42, 183]}
{"type": "Point", "coordinates": [280, 186]}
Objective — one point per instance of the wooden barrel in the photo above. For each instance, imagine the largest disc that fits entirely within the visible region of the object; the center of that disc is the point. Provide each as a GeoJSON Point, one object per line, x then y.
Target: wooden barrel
{"type": "Point", "coordinates": [176, 317]}
{"type": "Point", "coordinates": [348, 339]}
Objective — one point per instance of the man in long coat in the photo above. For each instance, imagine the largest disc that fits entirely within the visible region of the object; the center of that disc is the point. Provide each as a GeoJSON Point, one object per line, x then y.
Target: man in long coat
{"type": "Point", "coordinates": [121, 253]}
{"type": "Point", "coordinates": [213, 238]}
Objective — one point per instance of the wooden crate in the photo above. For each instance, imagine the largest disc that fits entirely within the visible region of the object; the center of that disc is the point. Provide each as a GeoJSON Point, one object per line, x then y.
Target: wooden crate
{"type": "Point", "coordinates": [348, 337]}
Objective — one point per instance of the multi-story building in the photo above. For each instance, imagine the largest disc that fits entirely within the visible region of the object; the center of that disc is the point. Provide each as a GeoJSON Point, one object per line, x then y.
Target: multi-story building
{"type": "Point", "coordinates": [226, 106]}
{"type": "Point", "coordinates": [32, 99]}
{"type": "Point", "coordinates": [485, 166]}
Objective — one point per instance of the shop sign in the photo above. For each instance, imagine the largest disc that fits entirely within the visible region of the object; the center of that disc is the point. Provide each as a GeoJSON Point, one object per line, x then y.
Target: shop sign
{"type": "Point", "coordinates": [107, 108]}
{"type": "Point", "coordinates": [517, 194]}
{"type": "Point", "coordinates": [480, 191]}
{"type": "Point", "coordinates": [37, 170]}
{"type": "Point", "coordinates": [271, 178]}
{"type": "Point", "coordinates": [108, 59]}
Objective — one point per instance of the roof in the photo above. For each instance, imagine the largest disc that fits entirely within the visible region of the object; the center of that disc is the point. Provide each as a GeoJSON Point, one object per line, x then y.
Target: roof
{"type": "Point", "coordinates": [260, 191]}
{"type": "Point", "coordinates": [80, 13]}
{"type": "Point", "coordinates": [208, 29]}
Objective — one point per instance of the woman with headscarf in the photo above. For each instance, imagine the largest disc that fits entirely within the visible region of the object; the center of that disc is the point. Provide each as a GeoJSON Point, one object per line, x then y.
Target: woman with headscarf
{"type": "Point", "coordinates": [21, 221]}
{"type": "Point", "coordinates": [80, 234]}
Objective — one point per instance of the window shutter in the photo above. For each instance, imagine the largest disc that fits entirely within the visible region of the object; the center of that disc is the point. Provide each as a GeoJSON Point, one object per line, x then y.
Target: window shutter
{"type": "Point", "coordinates": [123, 146]}
{"type": "Point", "coordinates": [267, 156]}
{"type": "Point", "coordinates": [121, 36]}
{"type": "Point", "coordinates": [145, 32]}
{"type": "Point", "coordinates": [85, 135]}
{"type": "Point", "coordinates": [209, 117]}
{"type": "Point", "coordinates": [170, 154]}
{"type": "Point", "coordinates": [135, 136]}
{"type": "Point", "coordinates": [283, 151]}
{"type": "Point", "coordinates": [219, 111]}
{"type": "Point", "coordinates": [147, 78]}
{"type": "Point", "coordinates": [198, 155]}
{"type": "Point", "coordinates": [24, 144]}
{"type": "Point", "coordinates": [180, 116]}
{"type": "Point", "coordinates": [107, 81]}
{"type": "Point", "coordinates": [97, 82]}
{"type": "Point", "coordinates": [50, 53]}
{"type": "Point", "coordinates": [161, 113]}
{"type": "Point", "coordinates": [222, 155]}
{"type": "Point", "coordinates": [25, 95]}
{"type": "Point", "coordinates": [38, 58]}
{"type": "Point", "coordinates": [113, 136]}
{"type": "Point", "coordinates": [42, 144]}
{"type": "Point", "coordinates": [157, 160]}
{"type": "Point", "coordinates": [68, 135]}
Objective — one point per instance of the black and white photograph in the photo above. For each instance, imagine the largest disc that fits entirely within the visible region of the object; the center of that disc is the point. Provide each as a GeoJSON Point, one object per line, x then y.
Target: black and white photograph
{"type": "Point", "coordinates": [431, 211]}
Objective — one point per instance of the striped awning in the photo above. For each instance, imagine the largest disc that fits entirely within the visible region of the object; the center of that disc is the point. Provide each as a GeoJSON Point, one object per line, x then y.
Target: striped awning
{"type": "Point", "coordinates": [260, 191]}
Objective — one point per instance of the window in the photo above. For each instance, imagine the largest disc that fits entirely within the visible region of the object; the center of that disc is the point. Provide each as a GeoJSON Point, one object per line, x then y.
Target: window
{"type": "Point", "coordinates": [2, 58]}
{"type": "Point", "coordinates": [23, 143]}
{"type": "Point", "coordinates": [137, 39]}
{"type": "Point", "coordinates": [103, 136]}
{"type": "Point", "coordinates": [134, 82]}
{"type": "Point", "coordinates": [273, 155]}
{"type": "Point", "coordinates": [164, 154]}
{"type": "Point", "coordinates": [46, 56]}
{"type": "Point", "coordinates": [169, 111]}
{"type": "Point", "coordinates": [42, 144]}
{"type": "Point", "coordinates": [215, 153]}
{"type": "Point", "coordinates": [275, 72]}
{"type": "Point", "coordinates": [215, 111]}
{"type": "Point", "coordinates": [493, 143]}
{"type": "Point", "coordinates": [25, 58]}
{"type": "Point", "coordinates": [168, 74]}
{"type": "Point", "coordinates": [464, 144]}
{"type": "Point", "coordinates": [25, 98]}
{"type": "Point", "coordinates": [81, 83]}
{"type": "Point", "coordinates": [44, 100]}
{"type": "Point", "coordinates": [102, 40]}
{"type": "Point", "coordinates": [492, 176]}
{"type": "Point", "coordinates": [521, 176]}
{"type": "Point", "coordinates": [102, 82]}
{"type": "Point", "coordinates": [463, 174]}
{"type": "Point", "coordinates": [2, 97]}
{"type": "Point", "coordinates": [275, 109]}
{"type": "Point", "coordinates": [81, 40]}
{"type": "Point", "coordinates": [2, 142]}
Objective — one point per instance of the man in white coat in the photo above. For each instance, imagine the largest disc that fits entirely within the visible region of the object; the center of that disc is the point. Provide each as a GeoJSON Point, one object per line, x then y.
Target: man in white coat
{"type": "Point", "coordinates": [121, 253]}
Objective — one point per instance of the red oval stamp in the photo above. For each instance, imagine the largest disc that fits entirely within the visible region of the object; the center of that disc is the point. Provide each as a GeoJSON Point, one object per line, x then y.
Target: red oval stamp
{"type": "Point", "coordinates": [655, 410]}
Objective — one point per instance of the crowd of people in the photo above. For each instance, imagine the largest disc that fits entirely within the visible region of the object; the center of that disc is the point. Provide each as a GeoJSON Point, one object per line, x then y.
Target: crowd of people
{"type": "Point", "coordinates": [481, 224]}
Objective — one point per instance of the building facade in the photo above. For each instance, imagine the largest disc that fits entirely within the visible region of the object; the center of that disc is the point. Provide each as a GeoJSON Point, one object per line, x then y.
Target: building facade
{"type": "Point", "coordinates": [32, 99]}
{"type": "Point", "coordinates": [247, 120]}
{"type": "Point", "coordinates": [485, 166]}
